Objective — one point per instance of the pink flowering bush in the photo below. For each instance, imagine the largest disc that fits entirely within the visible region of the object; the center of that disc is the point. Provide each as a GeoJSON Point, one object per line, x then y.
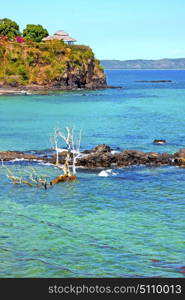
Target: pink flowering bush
{"type": "Point", "coordinates": [20, 39]}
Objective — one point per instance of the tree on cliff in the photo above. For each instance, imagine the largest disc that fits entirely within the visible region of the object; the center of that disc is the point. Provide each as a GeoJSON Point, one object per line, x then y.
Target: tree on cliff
{"type": "Point", "coordinates": [9, 28]}
{"type": "Point", "coordinates": [35, 33]}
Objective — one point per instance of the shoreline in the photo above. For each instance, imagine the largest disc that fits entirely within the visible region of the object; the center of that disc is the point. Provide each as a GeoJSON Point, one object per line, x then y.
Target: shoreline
{"type": "Point", "coordinates": [47, 90]}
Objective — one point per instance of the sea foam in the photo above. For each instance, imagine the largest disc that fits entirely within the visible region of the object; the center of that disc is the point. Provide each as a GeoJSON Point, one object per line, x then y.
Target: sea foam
{"type": "Point", "coordinates": [106, 173]}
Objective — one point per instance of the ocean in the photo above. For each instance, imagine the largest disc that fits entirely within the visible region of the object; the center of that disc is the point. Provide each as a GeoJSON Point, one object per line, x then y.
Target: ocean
{"type": "Point", "coordinates": [127, 223]}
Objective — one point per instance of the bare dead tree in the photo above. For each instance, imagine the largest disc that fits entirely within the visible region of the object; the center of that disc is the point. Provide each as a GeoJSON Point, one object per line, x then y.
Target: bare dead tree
{"type": "Point", "coordinates": [72, 153]}
{"type": "Point", "coordinates": [54, 142]}
{"type": "Point", "coordinates": [76, 150]}
{"type": "Point", "coordinates": [72, 149]}
{"type": "Point", "coordinates": [39, 180]}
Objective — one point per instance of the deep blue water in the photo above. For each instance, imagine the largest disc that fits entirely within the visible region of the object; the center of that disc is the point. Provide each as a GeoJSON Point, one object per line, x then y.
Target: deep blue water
{"type": "Point", "coordinates": [111, 226]}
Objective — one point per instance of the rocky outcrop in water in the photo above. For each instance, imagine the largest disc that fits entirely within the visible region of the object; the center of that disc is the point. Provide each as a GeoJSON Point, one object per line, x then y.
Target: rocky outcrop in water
{"type": "Point", "coordinates": [11, 155]}
{"type": "Point", "coordinates": [125, 158]}
{"type": "Point", "coordinates": [102, 157]}
{"type": "Point", "coordinates": [159, 142]}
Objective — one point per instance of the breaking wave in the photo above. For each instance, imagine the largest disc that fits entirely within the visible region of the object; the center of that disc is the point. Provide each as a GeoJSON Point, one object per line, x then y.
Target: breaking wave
{"type": "Point", "coordinates": [106, 173]}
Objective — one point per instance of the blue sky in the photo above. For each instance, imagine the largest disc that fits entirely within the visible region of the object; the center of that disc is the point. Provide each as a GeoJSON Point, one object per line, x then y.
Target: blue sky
{"type": "Point", "coordinates": [115, 29]}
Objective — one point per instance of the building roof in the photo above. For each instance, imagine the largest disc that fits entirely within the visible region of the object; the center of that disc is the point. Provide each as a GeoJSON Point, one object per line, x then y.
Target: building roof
{"type": "Point", "coordinates": [59, 35]}
{"type": "Point", "coordinates": [61, 32]}
{"type": "Point", "coordinates": [67, 39]}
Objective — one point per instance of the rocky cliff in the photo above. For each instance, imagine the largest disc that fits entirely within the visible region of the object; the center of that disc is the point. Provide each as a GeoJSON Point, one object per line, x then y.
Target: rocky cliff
{"type": "Point", "coordinates": [49, 65]}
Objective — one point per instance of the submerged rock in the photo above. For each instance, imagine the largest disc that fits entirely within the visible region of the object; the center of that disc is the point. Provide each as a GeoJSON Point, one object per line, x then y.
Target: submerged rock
{"type": "Point", "coordinates": [154, 81]}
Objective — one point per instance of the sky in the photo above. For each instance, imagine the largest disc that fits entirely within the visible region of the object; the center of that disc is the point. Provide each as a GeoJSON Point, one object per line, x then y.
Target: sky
{"type": "Point", "coordinates": [114, 29]}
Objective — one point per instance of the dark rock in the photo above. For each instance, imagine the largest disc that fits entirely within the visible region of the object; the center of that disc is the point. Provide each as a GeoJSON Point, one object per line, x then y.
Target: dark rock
{"type": "Point", "coordinates": [10, 155]}
{"type": "Point", "coordinates": [115, 87]}
{"type": "Point", "coordinates": [96, 160]}
{"type": "Point", "coordinates": [167, 158]}
{"type": "Point", "coordinates": [61, 157]}
{"type": "Point", "coordinates": [102, 148]}
{"type": "Point", "coordinates": [179, 161]}
{"type": "Point", "coordinates": [180, 153]}
{"type": "Point", "coordinates": [152, 155]}
{"type": "Point", "coordinates": [157, 81]}
{"type": "Point", "coordinates": [101, 157]}
{"type": "Point", "coordinates": [86, 151]}
{"type": "Point", "coordinates": [129, 157]}
{"type": "Point", "coordinates": [159, 142]}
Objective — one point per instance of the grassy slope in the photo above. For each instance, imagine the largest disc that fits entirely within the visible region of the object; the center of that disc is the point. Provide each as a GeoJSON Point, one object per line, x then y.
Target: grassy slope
{"type": "Point", "coordinates": [44, 63]}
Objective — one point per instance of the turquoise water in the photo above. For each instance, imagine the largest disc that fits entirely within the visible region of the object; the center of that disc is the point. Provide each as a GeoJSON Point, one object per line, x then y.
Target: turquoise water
{"type": "Point", "coordinates": [129, 224]}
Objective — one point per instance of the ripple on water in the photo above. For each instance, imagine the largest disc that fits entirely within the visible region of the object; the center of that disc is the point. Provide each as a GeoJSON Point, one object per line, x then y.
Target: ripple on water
{"type": "Point", "coordinates": [111, 226]}
{"type": "Point", "coordinates": [100, 226]}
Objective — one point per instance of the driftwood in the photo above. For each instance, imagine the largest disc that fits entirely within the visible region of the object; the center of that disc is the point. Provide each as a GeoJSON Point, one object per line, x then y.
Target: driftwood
{"type": "Point", "coordinates": [34, 178]}
{"type": "Point", "coordinates": [62, 178]}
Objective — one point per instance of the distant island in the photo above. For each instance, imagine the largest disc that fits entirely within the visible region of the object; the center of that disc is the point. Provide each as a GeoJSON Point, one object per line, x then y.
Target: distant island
{"type": "Point", "coordinates": [141, 64]}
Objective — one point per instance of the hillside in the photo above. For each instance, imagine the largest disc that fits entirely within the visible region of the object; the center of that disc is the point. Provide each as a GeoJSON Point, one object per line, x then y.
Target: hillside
{"type": "Point", "coordinates": [51, 64]}
{"type": "Point", "coordinates": [166, 63]}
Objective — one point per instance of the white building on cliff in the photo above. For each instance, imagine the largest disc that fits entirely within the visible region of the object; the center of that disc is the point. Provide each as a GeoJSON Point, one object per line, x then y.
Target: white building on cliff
{"type": "Point", "coordinates": [61, 36]}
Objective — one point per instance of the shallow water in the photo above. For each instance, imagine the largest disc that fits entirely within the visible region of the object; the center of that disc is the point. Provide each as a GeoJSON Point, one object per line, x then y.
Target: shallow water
{"type": "Point", "coordinates": [127, 224]}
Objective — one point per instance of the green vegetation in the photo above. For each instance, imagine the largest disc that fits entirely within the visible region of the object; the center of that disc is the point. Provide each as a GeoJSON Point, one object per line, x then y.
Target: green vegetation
{"type": "Point", "coordinates": [45, 63]}
{"type": "Point", "coordinates": [35, 33]}
{"type": "Point", "coordinates": [9, 28]}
